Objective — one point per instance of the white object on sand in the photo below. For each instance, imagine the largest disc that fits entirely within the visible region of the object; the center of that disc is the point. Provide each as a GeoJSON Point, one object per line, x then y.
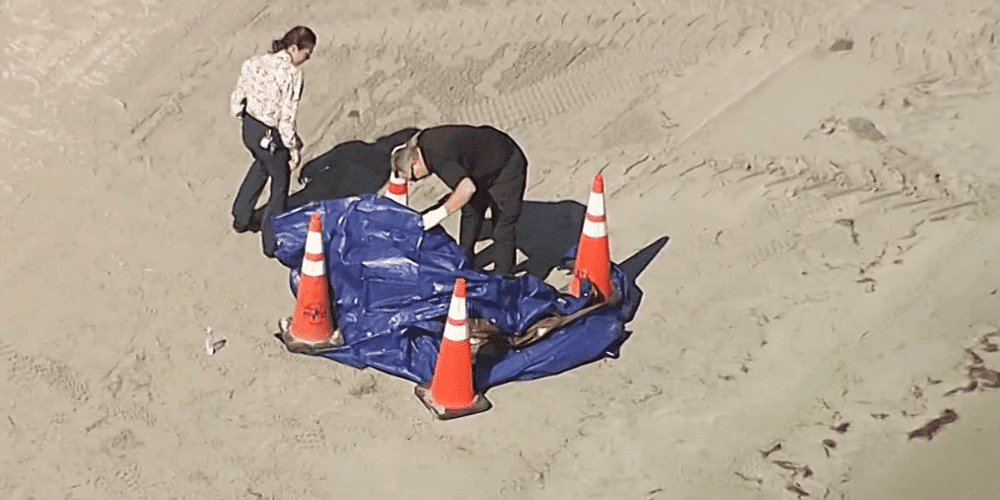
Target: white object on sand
{"type": "Point", "coordinates": [213, 343]}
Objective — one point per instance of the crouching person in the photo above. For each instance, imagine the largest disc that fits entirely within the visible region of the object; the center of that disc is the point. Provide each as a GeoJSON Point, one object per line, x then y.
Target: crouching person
{"type": "Point", "coordinates": [484, 168]}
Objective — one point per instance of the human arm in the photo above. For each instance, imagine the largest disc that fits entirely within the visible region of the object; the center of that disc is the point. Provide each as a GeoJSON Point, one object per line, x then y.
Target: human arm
{"type": "Point", "coordinates": [286, 123]}
{"type": "Point", "coordinates": [461, 195]}
{"type": "Point", "coordinates": [237, 100]}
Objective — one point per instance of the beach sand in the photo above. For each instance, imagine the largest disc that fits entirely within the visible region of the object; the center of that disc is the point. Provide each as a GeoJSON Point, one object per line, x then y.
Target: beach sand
{"type": "Point", "coordinates": [825, 174]}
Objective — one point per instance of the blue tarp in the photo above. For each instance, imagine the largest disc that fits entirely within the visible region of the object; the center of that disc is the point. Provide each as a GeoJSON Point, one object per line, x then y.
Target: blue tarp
{"type": "Point", "coordinates": [391, 285]}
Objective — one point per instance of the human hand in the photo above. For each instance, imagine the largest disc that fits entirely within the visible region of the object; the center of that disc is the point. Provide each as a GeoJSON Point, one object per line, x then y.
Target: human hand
{"type": "Point", "coordinates": [293, 159]}
{"type": "Point", "coordinates": [434, 217]}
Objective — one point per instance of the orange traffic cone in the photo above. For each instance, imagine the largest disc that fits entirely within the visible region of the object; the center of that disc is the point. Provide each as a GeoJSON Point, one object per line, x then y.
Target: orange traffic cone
{"type": "Point", "coordinates": [593, 256]}
{"type": "Point", "coordinates": [450, 393]}
{"type": "Point", "coordinates": [311, 327]}
{"type": "Point", "coordinates": [397, 190]}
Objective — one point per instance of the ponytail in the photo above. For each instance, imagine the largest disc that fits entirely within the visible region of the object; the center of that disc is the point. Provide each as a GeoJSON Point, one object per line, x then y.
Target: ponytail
{"type": "Point", "coordinates": [299, 36]}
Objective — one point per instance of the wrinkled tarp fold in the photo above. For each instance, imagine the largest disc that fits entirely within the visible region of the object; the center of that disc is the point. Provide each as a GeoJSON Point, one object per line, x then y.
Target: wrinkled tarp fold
{"type": "Point", "coordinates": [391, 285]}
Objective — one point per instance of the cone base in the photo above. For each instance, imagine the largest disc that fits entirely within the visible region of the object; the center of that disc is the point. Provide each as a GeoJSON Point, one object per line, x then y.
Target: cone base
{"type": "Point", "coordinates": [479, 404]}
{"type": "Point", "coordinates": [300, 346]}
{"type": "Point", "coordinates": [573, 288]}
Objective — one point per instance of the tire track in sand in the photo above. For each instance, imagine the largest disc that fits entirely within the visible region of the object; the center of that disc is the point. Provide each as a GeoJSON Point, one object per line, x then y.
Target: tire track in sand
{"type": "Point", "coordinates": [840, 195]}
{"type": "Point", "coordinates": [165, 56]}
{"type": "Point", "coordinates": [653, 50]}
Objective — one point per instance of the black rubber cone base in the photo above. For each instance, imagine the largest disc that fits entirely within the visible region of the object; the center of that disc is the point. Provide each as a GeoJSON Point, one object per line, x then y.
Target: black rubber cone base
{"type": "Point", "coordinates": [479, 405]}
{"type": "Point", "coordinates": [299, 346]}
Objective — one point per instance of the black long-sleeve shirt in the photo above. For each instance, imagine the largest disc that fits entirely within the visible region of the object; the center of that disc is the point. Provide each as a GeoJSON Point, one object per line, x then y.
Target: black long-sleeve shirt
{"type": "Point", "coordinates": [454, 152]}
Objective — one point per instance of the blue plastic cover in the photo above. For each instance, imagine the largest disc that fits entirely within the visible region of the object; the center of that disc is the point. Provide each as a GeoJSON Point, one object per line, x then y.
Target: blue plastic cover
{"type": "Point", "coordinates": [391, 285]}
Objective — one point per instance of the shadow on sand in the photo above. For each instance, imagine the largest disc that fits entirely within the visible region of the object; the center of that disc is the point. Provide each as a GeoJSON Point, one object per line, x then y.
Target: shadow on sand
{"type": "Point", "coordinates": [545, 231]}
{"type": "Point", "coordinates": [349, 169]}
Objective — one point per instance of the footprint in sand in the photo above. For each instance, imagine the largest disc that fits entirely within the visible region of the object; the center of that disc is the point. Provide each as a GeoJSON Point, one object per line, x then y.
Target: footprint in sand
{"type": "Point", "coordinates": [863, 128]}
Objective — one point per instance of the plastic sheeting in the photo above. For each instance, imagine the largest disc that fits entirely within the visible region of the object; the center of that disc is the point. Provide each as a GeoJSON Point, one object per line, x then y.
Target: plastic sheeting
{"type": "Point", "coordinates": [391, 285]}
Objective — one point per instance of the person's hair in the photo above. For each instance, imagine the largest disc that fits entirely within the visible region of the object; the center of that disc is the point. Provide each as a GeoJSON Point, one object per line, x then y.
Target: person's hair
{"type": "Point", "coordinates": [299, 36]}
{"type": "Point", "coordinates": [403, 156]}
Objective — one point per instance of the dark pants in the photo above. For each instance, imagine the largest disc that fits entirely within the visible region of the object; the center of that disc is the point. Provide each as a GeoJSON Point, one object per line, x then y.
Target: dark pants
{"type": "Point", "coordinates": [503, 197]}
{"type": "Point", "coordinates": [273, 164]}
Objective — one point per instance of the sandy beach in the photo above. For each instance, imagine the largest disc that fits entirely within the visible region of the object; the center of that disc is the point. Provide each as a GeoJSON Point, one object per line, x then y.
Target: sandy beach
{"type": "Point", "coordinates": [822, 173]}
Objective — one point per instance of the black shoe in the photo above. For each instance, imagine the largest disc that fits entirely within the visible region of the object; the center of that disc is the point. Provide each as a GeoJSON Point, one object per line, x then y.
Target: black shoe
{"type": "Point", "coordinates": [240, 228]}
{"type": "Point", "coordinates": [270, 250]}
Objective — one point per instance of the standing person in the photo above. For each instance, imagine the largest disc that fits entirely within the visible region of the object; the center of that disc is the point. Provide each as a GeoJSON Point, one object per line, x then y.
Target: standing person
{"type": "Point", "coordinates": [484, 167]}
{"type": "Point", "coordinates": [266, 98]}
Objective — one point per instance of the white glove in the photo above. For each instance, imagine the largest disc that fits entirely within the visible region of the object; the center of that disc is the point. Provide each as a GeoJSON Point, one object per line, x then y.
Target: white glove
{"type": "Point", "coordinates": [434, 217]}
